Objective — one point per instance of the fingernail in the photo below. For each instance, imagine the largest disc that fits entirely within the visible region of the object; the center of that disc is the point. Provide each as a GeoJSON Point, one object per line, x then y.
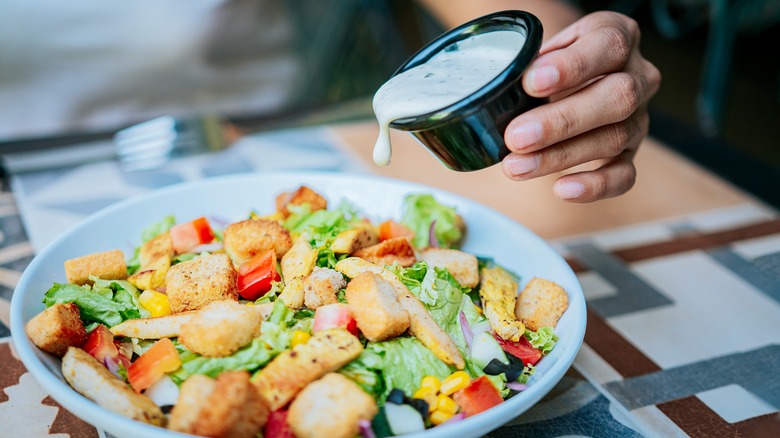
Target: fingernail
{"type": "Point", "coordinates": [526, 134]}
{"type": "Point", "coordinates": [542, 78]}
{"type": "Point", "coordinates": [521, 165]}
{"type": "Point", "coordinates": [569, 189]}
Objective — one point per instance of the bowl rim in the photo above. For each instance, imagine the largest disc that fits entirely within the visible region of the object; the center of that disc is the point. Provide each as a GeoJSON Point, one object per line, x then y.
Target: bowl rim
{"type": "Point", "coordinates": [102, 418]}
{"type": "Point", "coordinates": [519, 21]}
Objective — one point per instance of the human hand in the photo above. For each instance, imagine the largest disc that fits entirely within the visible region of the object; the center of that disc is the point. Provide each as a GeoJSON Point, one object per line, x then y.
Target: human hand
{"type": "Point", "coordinates": [599, 85]}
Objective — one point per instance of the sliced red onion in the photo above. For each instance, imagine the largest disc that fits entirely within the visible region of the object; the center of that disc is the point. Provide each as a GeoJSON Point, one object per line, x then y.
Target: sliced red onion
{"type": "Point", "coordinates": [433, 242]}
{"type": "Point", "coordinates": [455, 418]}
{"type": "Point", "coordinates": [113, 367]}
{"type": "Point", "coordinates": [222, 222]}
{"type": "Point", "coordinates": [365, 429]}
{"type": "Point", "coordinates": [464, 325]}
{"type": "Point", "coordinates": [517, 386]}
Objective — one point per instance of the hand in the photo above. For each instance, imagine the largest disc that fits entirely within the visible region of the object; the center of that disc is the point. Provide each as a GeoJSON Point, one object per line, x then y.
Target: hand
{"type": "Point", "coordinates": [599, 85]}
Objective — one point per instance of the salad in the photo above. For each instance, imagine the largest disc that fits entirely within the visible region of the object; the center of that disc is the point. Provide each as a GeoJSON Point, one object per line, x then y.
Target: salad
{"type": "Point", "coordinates": [308, 321]}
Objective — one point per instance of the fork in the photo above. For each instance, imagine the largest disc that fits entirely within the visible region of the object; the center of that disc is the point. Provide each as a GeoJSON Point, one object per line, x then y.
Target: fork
{"type": "Point", "coordinates": [150, 144]}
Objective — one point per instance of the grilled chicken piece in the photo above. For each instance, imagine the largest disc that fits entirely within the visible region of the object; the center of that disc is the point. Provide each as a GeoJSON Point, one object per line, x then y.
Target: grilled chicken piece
{"type": "Point", "coordinates": [421, 323]}
{"type": "Point", "coordinates": [299, 260]}
{"type": "Point", "coordinates": [292, 295]}
{"type": "Point", "coordinates": [349, 241]}
{"type": "Point", "coordinates": [168, 326]}
{"type": "Point", "coordinates": [290, 372]}
{"type": "Point", "coordinates": [155, 256]}
{"type": "Point", "coordinates": [499, 295]}
{"type": "Point", "coordinates": [87, 376]}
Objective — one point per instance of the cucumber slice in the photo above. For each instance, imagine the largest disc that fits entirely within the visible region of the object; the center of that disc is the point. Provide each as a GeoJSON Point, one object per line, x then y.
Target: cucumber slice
{"type": "Point", "coordinates": [403, 419]}
{"type": "Point", "coordinates": [484, 349]}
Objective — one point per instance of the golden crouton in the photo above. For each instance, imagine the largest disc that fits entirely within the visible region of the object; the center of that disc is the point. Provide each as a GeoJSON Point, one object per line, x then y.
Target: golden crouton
{"type": "Point", "coordinates": [220, 328]}
{"type": "Point", "coordinates": [541, 304]}
{"type": "Point", "coordinates": [90, 378]}
{"type": "Point", "coordinates": [303, 195]}
{"type": "Point", "coordinates": [463, 266]}
{"type": "Point", "coordinates": [321, 286]}
{"type": "Point", "coordinates": [326, 351]}
{"type": "Point", "coordinates": [168, 326]}
{"type": "Point", "coordinates": [192, 284]}
{"type": "Point", "coordinates": [246, 239]}
{"type": "Point", "coordinates": [299, 260]}
{"type": "Point", "coordinates": [397, 250]}
{"type": "Point", "coordinates": [499, 293]}
{"type": "Point", "coordinates": [155, 257]}
{"type": "Point", "coordinates": [226, 407]}
{"type": "Point", "coordinates": [421, 323]}
{"type": "Point", "coordinates": [57, 328]}
{"type": "Point", "coordinates": [108, 265]}
{"type": "Point", "coordinates": [347, 242]}
{"type": "Point", "coordinates": [374, 304]}
{"type": "Point", "coordinates": [330, 407]}
{"type": "Point", "coordinates": [292, 295]}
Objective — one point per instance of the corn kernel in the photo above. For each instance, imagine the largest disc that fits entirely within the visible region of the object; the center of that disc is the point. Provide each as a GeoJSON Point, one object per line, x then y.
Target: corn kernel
{"type": "Point", "coordinates": [446, 404]}
{"type": "Point", "coordinates": [299, 337]}
{"type": "Point", "coordinates": [455, 382]}
{"type": "Point", "coordinates": [439, 417]}
{"type": "Point", "coordinates": [479, 309]}
{"type": "Point", "coordinates": [431, 382]}
{"type": "Point", "coordinates": [427, 394]}
{"type": "Point", "coordinates": [155, 302]}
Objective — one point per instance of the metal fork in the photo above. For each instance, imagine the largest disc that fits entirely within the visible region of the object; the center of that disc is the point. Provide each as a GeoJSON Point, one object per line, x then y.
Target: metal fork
{"type": "Point", "coordinates": [152, 143]}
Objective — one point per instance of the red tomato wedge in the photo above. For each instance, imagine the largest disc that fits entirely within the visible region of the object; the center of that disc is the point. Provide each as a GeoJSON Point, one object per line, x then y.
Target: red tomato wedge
{"type": "Point", "coordinates": [522, 349]}
{"type": "Point", "coordinates": [161, 358]}
{"type": "Point", "coordinates": [277, 426]}
{"type": "Point", "coordinates": [333, 316]}
{"type": "Point", "coordinates": [391, 229]}
{"type": "Point", "coordinates": [101, 345]}
{"type": "Point", "coordinates": [256, 275]}
{"type": "Point", "coordinates": [479, 396]}
{"type": "Point", "coordinates": [189, 235]}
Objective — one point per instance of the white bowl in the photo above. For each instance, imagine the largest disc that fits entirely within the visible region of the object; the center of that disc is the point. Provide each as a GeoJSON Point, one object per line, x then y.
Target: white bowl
{"type": "Point", "coordinates": [489, 234]}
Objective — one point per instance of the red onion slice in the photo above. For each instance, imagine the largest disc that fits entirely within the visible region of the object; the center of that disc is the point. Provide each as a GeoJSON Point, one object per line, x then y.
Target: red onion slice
{"type": "Point", "coordinates": [365, 429]}
{"type": "Point", "coordinates": [433, 242]}
{"type": "Point", "coordinates": [455, 418]}
{"type": "Point", "coordinates": [517, 386]}
{"type": "Point", "coordinates": [464, 325]}
{"type": "Point", "coordinates": [113, 367]}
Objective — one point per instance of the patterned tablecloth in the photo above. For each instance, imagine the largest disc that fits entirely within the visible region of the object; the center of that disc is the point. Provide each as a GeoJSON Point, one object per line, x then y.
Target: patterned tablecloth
{"type": "Point", "coordinates": [683, 332]}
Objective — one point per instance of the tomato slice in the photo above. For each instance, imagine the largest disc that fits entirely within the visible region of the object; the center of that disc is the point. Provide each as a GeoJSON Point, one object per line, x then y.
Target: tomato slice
{"type": "Point", "coordinates": [277, 426]}
{"type": "Point", "coordinates": [391, 229]}
{"type": "Point", "coordinates": [256, 275]}
{"type": "Point", "coordinates": [161, 358]}
{"type": "Point", "coordinates": [101, 345]}
{"type": "Point", "coordinates": [334, 316]}
{"type": "Point", "coordinates": [479, 396]}
{"type": "Point", "coordinates": [191, 234]}
{"type": "Point", "coordinates": [522, 349]}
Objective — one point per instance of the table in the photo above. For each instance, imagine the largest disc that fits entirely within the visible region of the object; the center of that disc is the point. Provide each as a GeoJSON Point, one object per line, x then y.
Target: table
{"type": "Point", "coordinates": [681, 276]}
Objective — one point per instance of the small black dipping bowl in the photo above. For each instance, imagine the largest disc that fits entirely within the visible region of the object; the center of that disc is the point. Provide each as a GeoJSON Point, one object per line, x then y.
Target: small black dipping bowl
{"type": "Point", "coordinates": [469, 134]}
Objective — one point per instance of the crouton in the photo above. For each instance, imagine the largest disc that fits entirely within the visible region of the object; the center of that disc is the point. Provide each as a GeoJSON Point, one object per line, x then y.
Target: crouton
{"type": "Point", "coordinates": [541, 304]}
{"type": "Point", "coordinates": [303, 195]}
{"type": "Point", "coordinates": [246, 239]}
{"type": "Point", "coordinates": [57, 328]}
{"type": "Point", "coordinates": [397, 250]}
{"type": "Point", "coordinates": [331, 407]}
{"type": "Point", "coordinates": [226, 407]}
{"type": "Point", "coordinates": [292, 295]}
{"type": "Point", "coordinates": [108, 265]}
{"type": "Point", "coordinates": [192, 284]}
{"type": "Point", "coordinates": [347, 242]}
{"type": "Point", "coordinates": [220, 328]}
{"type": "Point", "coordinates": [421, 323]}
{"type": "Point", "coordinates": [155, 257]}
{"type": "Point", "coordinates": [321, 286]}
{"type": "Point", "coordinates": [168, 326]}
{"type": "Point", "coordinates": [499, 293]}
{"type": "Point", "coordinates": [463, 266]}
{"type": "Point", "coordinates": [288, 373]}
{"type": "Point", "coordinates": [90, 378]}
{"type": "Point", "coordinates": [375, 306]}
{"type": "Point", "coordinates": [299, 260]}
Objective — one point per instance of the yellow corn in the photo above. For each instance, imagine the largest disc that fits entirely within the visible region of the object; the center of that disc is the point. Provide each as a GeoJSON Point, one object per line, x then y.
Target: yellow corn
{"type": "Point", "coordinates": [439, 417]}
{"type": "Point", "coordinates": [155, 302]}
{"type": "Point", "coordinates": [299, 337]}
{"type": "Point", "coordinates": [479, 309]}
{"type": "Point", "coordinates": [275, 216]}
{"type": "Point", "coordinates": [455, 382]}
{"type": "Point", "coordinates": [427, 394]}
{"type": "Point", "coordinates": [431, 382]}
{"type": "Point", "coordinates": [446, 404]}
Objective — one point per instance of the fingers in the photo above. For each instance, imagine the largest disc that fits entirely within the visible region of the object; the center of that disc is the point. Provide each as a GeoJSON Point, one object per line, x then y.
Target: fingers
{"type": "Point", "coordinates": [614, 178]}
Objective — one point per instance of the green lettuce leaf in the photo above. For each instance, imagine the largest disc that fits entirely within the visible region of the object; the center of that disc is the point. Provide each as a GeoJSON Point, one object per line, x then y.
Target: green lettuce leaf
{"type": "Point", "coordinates": [543, 339]}
{"type": "Point", "coordinates": [421, 210]}
{"type": "Point", "coordinates": [124, 292]}
{"type": "Point", "coordinates": [321, 227]}
{"type": "Point", "coordinates": [107, 303]}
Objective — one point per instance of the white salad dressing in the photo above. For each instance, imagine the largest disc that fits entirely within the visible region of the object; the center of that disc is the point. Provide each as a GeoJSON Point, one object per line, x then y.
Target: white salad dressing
{"type": "Point", "coordinates": [446, 78]}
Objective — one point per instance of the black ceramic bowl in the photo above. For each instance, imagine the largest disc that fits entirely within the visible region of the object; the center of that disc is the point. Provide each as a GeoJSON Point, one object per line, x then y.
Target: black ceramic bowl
{"type": "Point", "coordinates": [469, 134]}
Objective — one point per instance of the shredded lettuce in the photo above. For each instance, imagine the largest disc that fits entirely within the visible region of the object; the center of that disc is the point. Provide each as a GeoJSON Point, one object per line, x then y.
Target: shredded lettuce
{"type": "Point", "coordinates": [543, 339]}
{"type": "Point", "coordinates": [107, 302]}
{"type": "Point", "coordinates": [321, 227]}
{"type": "Point", "coordinates": [422, 210]}
{"type": "Point", "coordinates": [148, 234]}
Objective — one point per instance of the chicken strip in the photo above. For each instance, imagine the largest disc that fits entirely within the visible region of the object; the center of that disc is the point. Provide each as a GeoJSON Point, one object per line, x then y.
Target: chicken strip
{"type": "Point", "coordinates": [499, 295]}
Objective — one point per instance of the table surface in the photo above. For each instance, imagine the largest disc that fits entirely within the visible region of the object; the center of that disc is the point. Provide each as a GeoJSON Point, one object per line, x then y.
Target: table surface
{"type": "Point", "coordinates": [681, 276]}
